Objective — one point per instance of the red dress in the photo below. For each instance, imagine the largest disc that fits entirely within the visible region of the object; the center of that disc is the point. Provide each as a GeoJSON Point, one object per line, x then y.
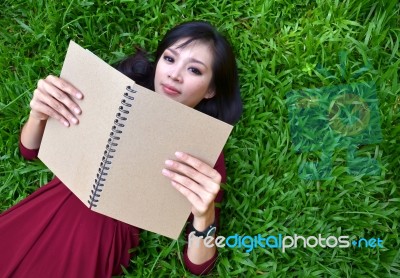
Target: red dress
{"type": "Point", "coordinates": [52, 233]}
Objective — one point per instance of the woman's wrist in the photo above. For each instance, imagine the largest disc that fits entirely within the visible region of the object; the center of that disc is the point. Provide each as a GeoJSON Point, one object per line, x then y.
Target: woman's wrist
{"type": "Point", "coordinates": [37, 116]}
{"type": "Point", "coordinates": [202, 222]}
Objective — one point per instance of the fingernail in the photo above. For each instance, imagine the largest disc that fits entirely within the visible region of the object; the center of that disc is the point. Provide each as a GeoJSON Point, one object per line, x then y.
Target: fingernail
{"type": "Point", "coordinates": [165, 172]}
{"type": "Point", "coordinates": [169, 162]}
{"type": "Point", "coordinates": [79, 95]}
{"type": "Point", "coordinates": [74, 120]}
{"type": "Point", "coordinates": [77, 110]}
{"type": "Point", "coordinates": [65, 123]}
{"type": "Point", "coordinates": [179, 154]}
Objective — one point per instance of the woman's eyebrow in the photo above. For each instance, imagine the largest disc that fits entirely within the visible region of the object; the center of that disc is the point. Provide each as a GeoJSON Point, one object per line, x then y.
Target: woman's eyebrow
{"type": "Point", "coordinates": [193, 60]}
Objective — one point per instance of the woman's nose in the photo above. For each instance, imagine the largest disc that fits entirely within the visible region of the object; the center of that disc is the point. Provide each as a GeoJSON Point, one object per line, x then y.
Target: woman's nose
{"type": "Point", "coordinates": [176, 75]}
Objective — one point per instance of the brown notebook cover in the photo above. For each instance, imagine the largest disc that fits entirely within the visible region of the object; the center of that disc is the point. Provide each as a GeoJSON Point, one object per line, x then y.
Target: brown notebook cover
{"type": "Point", "coordinates": [119, 174]}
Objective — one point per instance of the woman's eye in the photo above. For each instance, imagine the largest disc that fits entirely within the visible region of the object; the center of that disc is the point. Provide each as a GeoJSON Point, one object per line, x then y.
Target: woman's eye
{"type": "Point", "coordinates": [168, 58]}
{"type": "Point", "coordinates": [195, 71]}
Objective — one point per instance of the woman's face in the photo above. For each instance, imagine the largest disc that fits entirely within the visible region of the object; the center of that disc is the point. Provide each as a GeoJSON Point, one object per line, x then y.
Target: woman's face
{"type": "Point", "coordinates": [184, 73]}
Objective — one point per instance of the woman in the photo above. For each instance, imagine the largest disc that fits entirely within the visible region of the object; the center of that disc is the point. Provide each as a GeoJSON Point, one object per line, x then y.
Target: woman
{"type": "Point", "coordinates": [51, 233]}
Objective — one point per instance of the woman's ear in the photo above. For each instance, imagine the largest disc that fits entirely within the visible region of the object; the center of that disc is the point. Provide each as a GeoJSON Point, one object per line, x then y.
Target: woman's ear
{"type": "Point", "coordinates": [210, 94]}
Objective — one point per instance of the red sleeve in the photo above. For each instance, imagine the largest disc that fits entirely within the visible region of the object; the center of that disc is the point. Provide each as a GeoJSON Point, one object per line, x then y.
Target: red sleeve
{"type": "Point", "coordinates": [206, 267]}
{"type": "Point", "coordinates": [27, 153]}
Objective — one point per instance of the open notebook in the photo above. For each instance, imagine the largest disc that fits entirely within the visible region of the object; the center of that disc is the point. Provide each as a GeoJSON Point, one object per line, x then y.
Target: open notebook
{"type": "Point", "coordinates": [112, 160]}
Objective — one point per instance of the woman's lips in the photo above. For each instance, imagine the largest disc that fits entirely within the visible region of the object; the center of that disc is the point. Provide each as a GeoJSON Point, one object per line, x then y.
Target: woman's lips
{"type": "Point", "coordinates": [170, 90]}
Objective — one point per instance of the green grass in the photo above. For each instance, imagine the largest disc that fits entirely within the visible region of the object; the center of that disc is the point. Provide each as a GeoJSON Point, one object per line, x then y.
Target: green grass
{"type": "Point", "coordinates": [281, 46]}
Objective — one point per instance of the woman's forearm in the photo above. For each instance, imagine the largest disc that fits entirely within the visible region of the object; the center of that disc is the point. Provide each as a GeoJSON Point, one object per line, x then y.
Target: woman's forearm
{"type": "Point", "coordinates": [197, 251]}
{"type": "Point", "coordinates": [201, 250]}
{"type": "Point", "coordinates": [32, 132]}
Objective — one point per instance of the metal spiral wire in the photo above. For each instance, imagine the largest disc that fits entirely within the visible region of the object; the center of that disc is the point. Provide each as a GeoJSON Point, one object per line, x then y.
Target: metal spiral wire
{"type": "Point", "coordinates": [112, 144]}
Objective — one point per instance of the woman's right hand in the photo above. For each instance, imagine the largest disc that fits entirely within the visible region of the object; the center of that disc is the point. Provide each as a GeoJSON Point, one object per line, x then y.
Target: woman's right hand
{"type": "Point", "coordinates": [56, 98]}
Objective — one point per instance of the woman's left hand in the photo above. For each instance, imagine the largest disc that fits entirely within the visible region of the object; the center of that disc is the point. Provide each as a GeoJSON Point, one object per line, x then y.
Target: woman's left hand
{"type": "Point", "coordinates": [197, 181]}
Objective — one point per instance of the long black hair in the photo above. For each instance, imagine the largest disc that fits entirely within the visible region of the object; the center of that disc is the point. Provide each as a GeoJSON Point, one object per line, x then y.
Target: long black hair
{"type": "Point", "coordinates": [226, 104]}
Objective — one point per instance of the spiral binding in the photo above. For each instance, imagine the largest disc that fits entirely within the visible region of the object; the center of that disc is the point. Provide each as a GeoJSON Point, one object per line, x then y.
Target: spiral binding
{"type": "Point", "coordinates": [116, 131]}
